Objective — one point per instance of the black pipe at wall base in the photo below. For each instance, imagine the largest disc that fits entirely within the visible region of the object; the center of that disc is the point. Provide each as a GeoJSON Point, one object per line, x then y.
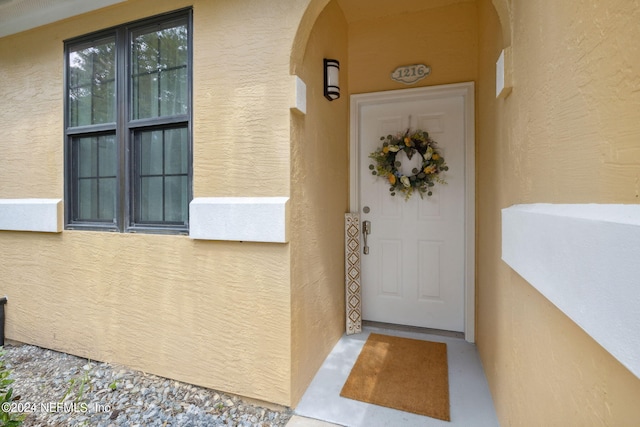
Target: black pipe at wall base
{"type": "Point", "coordinates": [3, 301]}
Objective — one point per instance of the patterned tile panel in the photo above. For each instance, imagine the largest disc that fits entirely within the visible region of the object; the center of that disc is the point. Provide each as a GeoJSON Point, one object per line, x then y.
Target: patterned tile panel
{"type": "Point", "coordinates": [352, 273]}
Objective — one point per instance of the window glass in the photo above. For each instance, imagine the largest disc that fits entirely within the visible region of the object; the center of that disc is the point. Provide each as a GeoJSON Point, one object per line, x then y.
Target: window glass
{"type": "Point", "coordinates": [159, 71]}
{"type": "Point", "coordinates": [151, 199]}
{"type": "Point", "coordinates": [151, 152]}
{"type": "Point", "coordinates": [95, 177]}
{"type": "Point", "coordinates": [91, 84]}
{"type": "Point", "coordinates": [175, 195]}
{"type": "Point", "coordinates": [163, 175]}
{"type": "Point", "coordinates": [176, 151]}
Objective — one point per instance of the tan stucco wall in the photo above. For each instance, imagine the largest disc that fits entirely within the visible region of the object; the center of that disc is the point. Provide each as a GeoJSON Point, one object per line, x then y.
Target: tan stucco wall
{"type": "Point", "coordinates": [319, 200]}
{"type": "Point", "coordinates": [216, 314]}
{"type": "Point", "coordinates": [258, 319]}
{"type": "Point", "coordinates": [243, 94]}
{"type": "Point", "coordinates": [568, 133]}
{"type": "Point", "coordinates": [163, 304]}
{"type": "Point", "coordinates": [444, 38]}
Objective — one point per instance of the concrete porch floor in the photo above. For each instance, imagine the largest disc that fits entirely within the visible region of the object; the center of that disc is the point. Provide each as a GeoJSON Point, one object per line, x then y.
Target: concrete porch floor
{"type": "Point", "coordinates": [322, 406]}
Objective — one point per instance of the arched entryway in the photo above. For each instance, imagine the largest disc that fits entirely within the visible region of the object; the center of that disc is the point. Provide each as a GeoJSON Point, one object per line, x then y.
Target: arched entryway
{"type": "Point", "coordinates": [370, 39]}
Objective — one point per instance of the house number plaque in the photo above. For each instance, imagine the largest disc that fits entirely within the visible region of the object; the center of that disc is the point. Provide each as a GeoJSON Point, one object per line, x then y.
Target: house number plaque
{"type": "Point", "coordinates": [409, 74]}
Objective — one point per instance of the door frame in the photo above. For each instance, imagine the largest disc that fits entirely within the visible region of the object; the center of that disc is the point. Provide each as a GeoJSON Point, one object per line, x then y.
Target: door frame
{"type": "Point", "coordinates": [466, 91]}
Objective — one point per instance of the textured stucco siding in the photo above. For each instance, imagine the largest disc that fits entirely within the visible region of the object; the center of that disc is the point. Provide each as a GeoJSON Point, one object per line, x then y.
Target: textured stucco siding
{"type": "Point", "coordinates": [243, 93]}
{"type": "Point", "coordinates": [217, 314]}
{"type": "Point", "coordinates": [257, 319]}
{"type": "Point", "coordinates": [442, 37]}
{"type": "Point", "coordinates": [319, 200]}
{"type": "Point", "coordinates": [568, 133]}
{"type": "Point", "coordinates": [31, 164]}
{"type": "Point", "coordinates": [168, 305]}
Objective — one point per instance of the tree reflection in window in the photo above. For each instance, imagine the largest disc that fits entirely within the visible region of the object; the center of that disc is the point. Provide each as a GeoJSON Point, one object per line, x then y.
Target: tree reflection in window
{"type": "Point", "coordinates": [91, 84]}
{"type": "Point", "coordinates": [159, 72]}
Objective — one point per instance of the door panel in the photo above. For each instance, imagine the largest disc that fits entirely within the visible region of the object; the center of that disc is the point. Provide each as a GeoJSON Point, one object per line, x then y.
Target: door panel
{"type": "Point", "coordinates": [414, 272]}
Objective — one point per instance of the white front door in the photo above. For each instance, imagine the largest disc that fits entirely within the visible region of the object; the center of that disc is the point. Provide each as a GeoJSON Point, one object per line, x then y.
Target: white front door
{"type": "Point", "coordinates": [414, 273]}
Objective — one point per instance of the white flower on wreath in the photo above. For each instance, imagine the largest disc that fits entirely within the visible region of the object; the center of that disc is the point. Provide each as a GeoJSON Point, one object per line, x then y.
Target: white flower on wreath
{"type": "Point", "coordinates": [428, 154]}
{"type": "Point", "coordinates": [394, 148]}
{"type": "Point", "coordinates": [405, 181]}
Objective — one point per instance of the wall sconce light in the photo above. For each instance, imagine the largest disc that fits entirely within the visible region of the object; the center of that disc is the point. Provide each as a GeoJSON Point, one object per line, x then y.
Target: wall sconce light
{"type": "Point", "coordinates": [331, 79]}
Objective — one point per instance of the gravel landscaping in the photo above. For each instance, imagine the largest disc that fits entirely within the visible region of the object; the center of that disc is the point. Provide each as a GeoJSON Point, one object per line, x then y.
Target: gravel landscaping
{"type": "Point", "coordinates": [57, 389]}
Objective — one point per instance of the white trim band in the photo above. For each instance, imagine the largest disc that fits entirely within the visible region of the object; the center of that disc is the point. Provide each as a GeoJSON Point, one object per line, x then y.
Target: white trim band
{"type": "Point", "coordinates": [300, 96]}
{"type": "Point", "coordinates": [584, 259]}
{"type": "Point", "coordinates": [43, 215]}
{"type": "Point", "coordinates": [248, 219]}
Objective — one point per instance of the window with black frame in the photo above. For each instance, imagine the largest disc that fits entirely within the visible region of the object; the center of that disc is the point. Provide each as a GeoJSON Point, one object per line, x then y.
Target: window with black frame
{"type": "Point", "coordinates": [128, 127]}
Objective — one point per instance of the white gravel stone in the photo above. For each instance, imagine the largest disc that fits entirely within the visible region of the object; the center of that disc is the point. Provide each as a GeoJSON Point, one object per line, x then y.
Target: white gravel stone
{"type": "Point", "coordinates": [65, 390]}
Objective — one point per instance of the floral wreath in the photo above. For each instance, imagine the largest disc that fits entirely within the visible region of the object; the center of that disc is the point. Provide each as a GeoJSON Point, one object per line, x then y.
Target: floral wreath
{"type": "Point", "coordinates": [421, 180]}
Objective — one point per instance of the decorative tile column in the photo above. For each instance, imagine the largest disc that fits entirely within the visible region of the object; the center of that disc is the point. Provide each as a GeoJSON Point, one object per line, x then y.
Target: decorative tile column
{"type": "Point", "coordinates": [352, 273]}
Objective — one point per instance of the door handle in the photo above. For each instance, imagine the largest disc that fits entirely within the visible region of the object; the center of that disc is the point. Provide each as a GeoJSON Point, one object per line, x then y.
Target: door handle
{"type": "Point", "coordinates": [366, 230]}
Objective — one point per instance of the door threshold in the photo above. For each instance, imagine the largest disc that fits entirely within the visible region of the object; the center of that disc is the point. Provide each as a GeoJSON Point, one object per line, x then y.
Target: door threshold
{"type": "Point", "coordinates": [407, 328]}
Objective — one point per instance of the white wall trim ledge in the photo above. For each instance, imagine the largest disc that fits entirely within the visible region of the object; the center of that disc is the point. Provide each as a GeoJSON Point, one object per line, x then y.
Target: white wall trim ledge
{"type": "Point", "coordinates": [586, 260]}
{"type": "Point", "coordinates": [246, 219]}
{"type": "Point", "coordinates": [41, 215]}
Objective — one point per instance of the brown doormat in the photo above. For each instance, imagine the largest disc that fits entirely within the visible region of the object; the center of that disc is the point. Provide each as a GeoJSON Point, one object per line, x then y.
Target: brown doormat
{"type": "Point", "coordinates": [402, 373]}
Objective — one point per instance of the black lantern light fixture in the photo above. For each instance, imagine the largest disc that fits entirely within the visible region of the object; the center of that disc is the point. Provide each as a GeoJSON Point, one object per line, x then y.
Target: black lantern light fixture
{"type": "Point", "coordinates": [331, 79]}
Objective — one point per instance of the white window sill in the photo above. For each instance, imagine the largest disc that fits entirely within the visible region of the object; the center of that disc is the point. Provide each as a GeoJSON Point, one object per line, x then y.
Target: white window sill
{"type": "Point", "coordinates": [586, 260]}
{"type": "Point", "coordinates": [41, 215]}
{"type": "Point", "coordinates": [246, 219]}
